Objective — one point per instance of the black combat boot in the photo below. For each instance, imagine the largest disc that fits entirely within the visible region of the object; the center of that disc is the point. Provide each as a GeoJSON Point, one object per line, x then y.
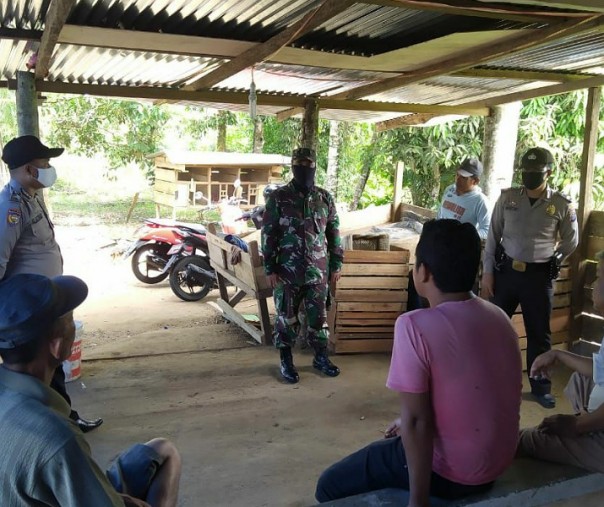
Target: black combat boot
{"type": "Point", "coordinates": [322, 363]}
{"type": "Point", "coordinates": [288, 370]}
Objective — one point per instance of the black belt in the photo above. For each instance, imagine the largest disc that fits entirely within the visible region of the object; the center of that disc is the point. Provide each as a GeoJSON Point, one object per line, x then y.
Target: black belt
{"type": "Point", "coordinates": [523, 267]}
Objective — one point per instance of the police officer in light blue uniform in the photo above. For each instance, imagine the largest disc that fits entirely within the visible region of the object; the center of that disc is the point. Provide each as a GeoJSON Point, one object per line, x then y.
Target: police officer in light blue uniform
{"type": "Point", "coordinates": [533, 228]}
{"type": "Point", "coordinates": [27, 237]}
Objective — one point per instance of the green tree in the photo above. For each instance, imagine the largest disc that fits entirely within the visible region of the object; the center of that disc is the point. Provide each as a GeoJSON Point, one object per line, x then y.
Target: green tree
{"type": "Point", "coordinates": [124, 131]}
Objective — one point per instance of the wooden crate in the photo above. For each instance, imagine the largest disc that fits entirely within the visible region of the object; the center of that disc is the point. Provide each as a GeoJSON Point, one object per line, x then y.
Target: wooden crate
{"type": "Point", "coordinates": [369, 297]}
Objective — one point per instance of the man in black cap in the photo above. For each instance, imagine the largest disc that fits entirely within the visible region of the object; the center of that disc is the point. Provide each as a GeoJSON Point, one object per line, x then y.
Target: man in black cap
{"type": "Point", "coordinates": [523, 255]}
{"type": "Point", "coordinates": [27, 238]}
{"type": "Point", "coordinates": [464, 200]}
{"type": "Point", "coordinates": [45, 458]}
{"type": "Point", "coordinates": [302, 255]}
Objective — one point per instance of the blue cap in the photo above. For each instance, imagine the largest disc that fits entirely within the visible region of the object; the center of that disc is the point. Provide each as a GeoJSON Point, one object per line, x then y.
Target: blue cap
{"type": "Point", "coordinates": [30, 304]}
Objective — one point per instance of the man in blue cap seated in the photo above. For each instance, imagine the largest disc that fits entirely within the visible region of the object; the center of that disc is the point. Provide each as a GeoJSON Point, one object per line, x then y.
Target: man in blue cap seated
{"type": "Point", "coordinates": [45, 458]}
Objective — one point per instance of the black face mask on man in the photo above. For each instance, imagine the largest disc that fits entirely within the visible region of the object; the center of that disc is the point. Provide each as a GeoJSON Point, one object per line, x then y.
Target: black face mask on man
{"type": "Point", "coordinates": [304, 175]}
{"type": "Point", "coordinates": [533, 179]}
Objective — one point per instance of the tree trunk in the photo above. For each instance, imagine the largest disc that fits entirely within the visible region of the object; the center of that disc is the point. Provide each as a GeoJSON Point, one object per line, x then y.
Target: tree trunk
{"type": "Point", "coordinates": [222, 131]}
{"type": "Point", "coordinates": [500, 135]}
{"type": "Point", "coordinates": [258, 135]}
{"type": "Point", "coordinates": [434, 192]}
{"type": "Point", "coordinates": [310, 125]}
{"type": "Point", "coordinates": [27, 105]}
{"type": "Point", "coordinates": [365, 171]}
{"type": "Point", "coordinates": [331, 181]}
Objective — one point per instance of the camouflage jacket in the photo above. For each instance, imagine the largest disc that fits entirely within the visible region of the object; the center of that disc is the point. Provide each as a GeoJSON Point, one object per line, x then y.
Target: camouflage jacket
{"type": "Point", "coordinates": [300, 235]}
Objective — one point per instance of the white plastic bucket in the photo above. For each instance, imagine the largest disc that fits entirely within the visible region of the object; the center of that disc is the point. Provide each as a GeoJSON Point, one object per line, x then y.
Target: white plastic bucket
{"type": "Point", "coordinates": [72, 366]}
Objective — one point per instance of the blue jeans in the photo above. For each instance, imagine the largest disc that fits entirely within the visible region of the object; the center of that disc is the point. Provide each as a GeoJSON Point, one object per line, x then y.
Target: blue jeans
{"type": "Point", "coordinates": [382, 465]}
{"type": "Point", "coordinates": [133, 471]}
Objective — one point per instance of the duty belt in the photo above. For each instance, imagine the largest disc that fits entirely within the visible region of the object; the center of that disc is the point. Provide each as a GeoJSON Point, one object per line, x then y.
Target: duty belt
{"type": "Point", "coordinates": [522, 267]}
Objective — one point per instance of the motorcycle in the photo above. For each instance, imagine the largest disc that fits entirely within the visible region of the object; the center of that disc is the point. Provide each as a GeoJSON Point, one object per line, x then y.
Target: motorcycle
{"type": "Point", "coordinates": [151, 252]}
{"type": "Point", "coordinates": [191, 275]}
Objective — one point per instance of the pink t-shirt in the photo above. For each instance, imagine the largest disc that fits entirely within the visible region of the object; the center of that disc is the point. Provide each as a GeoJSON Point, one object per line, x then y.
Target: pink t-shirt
{"type": "Point", "coordinates": [466, 354]}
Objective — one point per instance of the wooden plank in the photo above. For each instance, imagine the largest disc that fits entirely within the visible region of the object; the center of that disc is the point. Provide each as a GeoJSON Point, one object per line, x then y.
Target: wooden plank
{"type": "Point", "coordinates": [560, 321]}
{"type": "Point", "coordinates": [326, 10]}
{"type": "Point", "coordinates": [561, 337]}
{"type": "Point", "coordinates": [234, 316]}
{"type": "Point", "coordinates": [366, 256]}
{"type": "Point", "coordinates": [373, 282]}
{"type": "Point", "coordinates": [363, 336]}
{"type": "Point", "coordinates": [352, 346]}
{"type": "Point", "coordinates": [595, 244]}
{"type": "Point", "coordinates": [165, 174]}
{"type": "Point", "coordinates": [475, 56]}
{"type": "Point", "coordinates": [165, 199]}
{"type": "Point", "coordinates": [364, 323]}
{"type": "Point", "coordinates": [562, 286]}
{"type": "Point", "coordinates": [368, 315]}
{"type": "Point", "coordinates": [564, 274]}
{"type": "Point", "coordinates": [56, 15]}
{"type": "Point", "coordinates": [366, 329]}
{"type": "Point", "coordinates": [593, 327]}
{"type": "Point", "coordinates": [371, 307]}
{"type": "Point", "coordinates": [354, 220]}
{"type": "Point", "coordinates": [595, 223]}
{"type": "Point", "coordinates": [165, 187]}
{"type": "Point", "coordinates": [561, 301]}
{"type": "Point", "coordinates": [591, 273]}
{"type": "Point", "coordinates": [372, 296]}
{"type": "Point", "coordinates": [358, 269]}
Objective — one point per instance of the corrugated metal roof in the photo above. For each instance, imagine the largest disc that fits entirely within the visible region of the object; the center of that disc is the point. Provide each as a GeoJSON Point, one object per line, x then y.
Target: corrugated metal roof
{"type": "Point", "coordinates": [579, 53]}
{"type": "Point", "coordinates": [362, 29]}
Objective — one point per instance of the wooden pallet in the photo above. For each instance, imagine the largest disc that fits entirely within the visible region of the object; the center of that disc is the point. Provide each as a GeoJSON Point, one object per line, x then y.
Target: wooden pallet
{"type": "Point", "coordinates": [369, 297]}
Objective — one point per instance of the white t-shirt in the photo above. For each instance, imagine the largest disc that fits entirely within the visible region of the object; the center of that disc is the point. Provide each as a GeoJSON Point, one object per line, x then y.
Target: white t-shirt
{"type": "Point", "coordinates": [596, 398]}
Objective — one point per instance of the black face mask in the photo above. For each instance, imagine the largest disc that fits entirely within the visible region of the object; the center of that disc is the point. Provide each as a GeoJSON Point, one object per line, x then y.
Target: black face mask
{"type": "Point", "coordinates": [304, 176]}
{"type": "Point", "coordinates": [532, 180]}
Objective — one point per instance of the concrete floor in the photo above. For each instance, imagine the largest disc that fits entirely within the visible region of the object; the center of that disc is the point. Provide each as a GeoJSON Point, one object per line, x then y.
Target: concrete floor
{"type": "Point", "coordinates": [158, 366]}
{"type": "Point", "coordinates": [246, 438]}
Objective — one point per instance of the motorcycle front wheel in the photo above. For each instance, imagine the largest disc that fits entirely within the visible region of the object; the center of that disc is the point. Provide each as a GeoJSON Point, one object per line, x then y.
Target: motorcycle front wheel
{"type": "Point", "coordinates": [143, 265]}
{"type": "Point", "coordinates": [185, 284]}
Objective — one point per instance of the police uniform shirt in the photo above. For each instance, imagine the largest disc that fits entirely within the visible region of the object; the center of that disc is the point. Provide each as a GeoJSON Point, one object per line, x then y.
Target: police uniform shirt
{"type": "Point", "coordinates": [529, 233]}
{"type": "Point", "coordinates": [27, 238]}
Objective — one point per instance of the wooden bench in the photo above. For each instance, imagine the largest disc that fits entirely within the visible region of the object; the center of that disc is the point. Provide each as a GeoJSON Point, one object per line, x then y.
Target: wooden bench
{"type": "Point", "coordinates": [249, 279]}
{"type": "Point", "coordinates": [527, 483]}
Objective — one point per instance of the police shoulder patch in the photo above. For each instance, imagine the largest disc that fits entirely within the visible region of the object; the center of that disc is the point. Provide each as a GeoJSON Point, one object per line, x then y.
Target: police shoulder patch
{"type": "Point", "coordinates": [13, 216]}
{"type": "Point", "coordinates": [571, 212]}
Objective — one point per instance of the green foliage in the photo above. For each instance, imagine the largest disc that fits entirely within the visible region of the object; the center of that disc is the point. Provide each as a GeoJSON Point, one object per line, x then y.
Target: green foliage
{"type": "Point", "coordinates": [124, 131]}
{"type": "Point", "coordinates": [558, 124]}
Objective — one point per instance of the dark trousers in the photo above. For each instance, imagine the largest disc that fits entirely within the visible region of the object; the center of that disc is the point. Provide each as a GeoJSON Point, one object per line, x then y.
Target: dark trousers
{"type": "Point", "coordinates": [382, 465]}
{"type": "Point", "coordinates": [533, 290]}
{"type": "Point", "coordinates": [58, 384]}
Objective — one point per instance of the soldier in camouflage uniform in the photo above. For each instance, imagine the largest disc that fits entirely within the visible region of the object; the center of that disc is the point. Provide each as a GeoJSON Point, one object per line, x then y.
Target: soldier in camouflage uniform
{"type": "Point", "coordinates": [302, 255]}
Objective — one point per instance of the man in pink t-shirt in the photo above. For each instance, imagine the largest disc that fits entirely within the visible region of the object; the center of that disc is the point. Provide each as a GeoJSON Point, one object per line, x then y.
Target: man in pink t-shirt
{"type": "Point", "coordinates": [457, 368]}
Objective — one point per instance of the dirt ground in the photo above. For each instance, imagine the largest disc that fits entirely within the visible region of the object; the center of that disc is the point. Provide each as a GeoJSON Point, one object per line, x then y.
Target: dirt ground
{"type": "Point", "coordinates": [157, 366]}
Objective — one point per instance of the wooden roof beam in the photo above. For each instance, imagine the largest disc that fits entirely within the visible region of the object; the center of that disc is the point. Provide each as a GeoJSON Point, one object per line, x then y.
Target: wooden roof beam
{"type": "Point", "coordinates": [288, 113]}
{"type": "Point", "coordinates": [404, 121]}
{"type": "Point", "coordinates": [522, 75]}
{"type": "Point", "coordinates": [220, 97]}
{"type": "Point", "coordinates": [477, 56]}
{"type": "Point", "coordinates": [261, 52]}
{"type": "Point", "coordinates": [56, 16]}
{"type": "Point", "coordinates": [478, 9]}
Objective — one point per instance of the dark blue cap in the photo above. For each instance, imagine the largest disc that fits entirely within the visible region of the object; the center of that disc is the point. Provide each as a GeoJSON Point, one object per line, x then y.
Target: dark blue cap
{"type": "Point", "coordinates": [22, 150]}
{"type": "Point", "coordinates": [30, 304]}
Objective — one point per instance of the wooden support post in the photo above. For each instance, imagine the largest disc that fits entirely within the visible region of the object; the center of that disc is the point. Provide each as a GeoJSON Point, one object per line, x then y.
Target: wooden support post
{"type": "Point", "coordinates": [500, 134]}
{"type": "Point", "coordinates": [397, 199]}
{"type": "Point", "coordinates": [578, 261]}
{"type": "Point", "coordinates": [27, 105]}
{"type": "Point", "coordinates": [310, 125]}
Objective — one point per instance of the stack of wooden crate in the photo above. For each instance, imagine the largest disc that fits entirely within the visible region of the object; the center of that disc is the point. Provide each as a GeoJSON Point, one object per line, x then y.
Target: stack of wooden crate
{"type": "Point", "coordinates": [369, 297]}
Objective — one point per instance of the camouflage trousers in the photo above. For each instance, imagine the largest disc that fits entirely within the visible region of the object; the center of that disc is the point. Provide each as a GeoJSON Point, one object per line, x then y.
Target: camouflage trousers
{"type": "Point", "coordinates": [290, 299]}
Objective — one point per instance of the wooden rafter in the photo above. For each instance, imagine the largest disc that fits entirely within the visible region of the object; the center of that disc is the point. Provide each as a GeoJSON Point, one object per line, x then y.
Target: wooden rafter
{"type": "Point", "coordinates": [542, 92]}
{"type": "Point", "coordinates": [309, 22]}
{"type": "Point", "coordinates": [288, 113]}
{"type": "Point", "coordinates": [479, 9]}
{"type": "Point", "coordinates": [476, 56]}
{"type": "Point", "coordinates": [220, 97]}
{"type": "Point", "coordinates": [404, 121]}
{"type": "Point", "coordinates": [56, 16]}
{"type": "Point", "coordinates": [522, 75]}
